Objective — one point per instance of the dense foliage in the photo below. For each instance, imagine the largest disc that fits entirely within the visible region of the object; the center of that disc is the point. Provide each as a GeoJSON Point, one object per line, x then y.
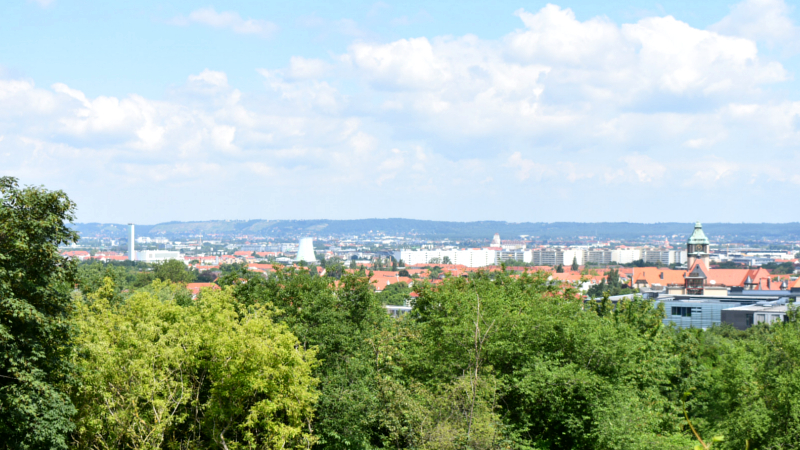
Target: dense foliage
{"type": "Point", "coordinates": [123, 356]}
{"type": "Point", "coordinates": [35, 332]}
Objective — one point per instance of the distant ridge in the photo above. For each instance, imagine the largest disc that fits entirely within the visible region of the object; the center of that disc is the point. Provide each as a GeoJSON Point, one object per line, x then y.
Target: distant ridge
{"type": "Point", "coordinates": [441, 229]}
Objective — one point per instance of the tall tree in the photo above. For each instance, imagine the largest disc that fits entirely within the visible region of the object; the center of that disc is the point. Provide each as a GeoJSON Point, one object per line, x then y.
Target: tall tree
{"type": "Point", "coordinates": [35, 334]}
{"type": "Point", "coordinates": [175, 271]}
{"type": "Point", "coordinates": [575, 265]}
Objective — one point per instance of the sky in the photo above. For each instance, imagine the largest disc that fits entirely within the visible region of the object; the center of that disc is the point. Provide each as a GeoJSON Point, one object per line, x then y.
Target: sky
{"type": "Point", "coordinates": [640, 111]}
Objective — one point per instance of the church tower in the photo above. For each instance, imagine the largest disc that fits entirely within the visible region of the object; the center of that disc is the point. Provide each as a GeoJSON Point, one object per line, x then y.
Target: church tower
{"type": "Point", "coordinates": [697, 246]}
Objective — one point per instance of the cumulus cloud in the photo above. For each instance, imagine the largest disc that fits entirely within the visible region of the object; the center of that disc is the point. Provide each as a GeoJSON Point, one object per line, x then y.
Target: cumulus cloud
{"type": "Point", "coordinates": [759, 20]}
{"type": "Point", "coordinates": [556, 110]}
{"type": "Point", "coordinates": [229, 20]}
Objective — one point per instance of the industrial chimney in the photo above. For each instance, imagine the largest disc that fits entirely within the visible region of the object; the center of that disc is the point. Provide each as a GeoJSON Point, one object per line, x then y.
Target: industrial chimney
{"type": "Point", "coordinates": [306, 251]}
{"type": "Point", "coordinates": [131, 247]}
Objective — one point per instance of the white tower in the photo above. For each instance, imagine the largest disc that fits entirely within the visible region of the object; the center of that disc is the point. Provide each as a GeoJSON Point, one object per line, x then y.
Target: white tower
{"type": "Point", "coordinates": [496, 241]}
{"type": "Point", "coordinates": [131, 248]}
{"type": "Point", "coordinates": [306, 251]}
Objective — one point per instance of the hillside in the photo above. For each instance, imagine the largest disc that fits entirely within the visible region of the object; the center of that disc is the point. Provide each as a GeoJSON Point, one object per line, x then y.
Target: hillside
{"type": "Point", "coordinates": [441, 229]}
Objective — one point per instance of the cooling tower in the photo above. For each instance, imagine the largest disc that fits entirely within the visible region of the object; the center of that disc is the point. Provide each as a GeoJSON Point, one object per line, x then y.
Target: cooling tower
{"type": "Point", "coordinates": [306, 251]}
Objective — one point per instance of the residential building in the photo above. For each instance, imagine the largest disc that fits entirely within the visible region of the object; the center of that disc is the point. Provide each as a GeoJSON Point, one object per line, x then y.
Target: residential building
{"type": "Point", "coordinates": [151, 256]}
{"type": "Point", "coordinates": [514, 255]}
{"type": "Point", "coordinates": [554, 257]}
{"type": "Point", "coordinates": [471, 257]}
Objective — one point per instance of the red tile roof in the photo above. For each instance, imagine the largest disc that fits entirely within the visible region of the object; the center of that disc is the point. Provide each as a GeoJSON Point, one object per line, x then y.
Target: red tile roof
{"type": "Point", "coordinates": [195, 287]}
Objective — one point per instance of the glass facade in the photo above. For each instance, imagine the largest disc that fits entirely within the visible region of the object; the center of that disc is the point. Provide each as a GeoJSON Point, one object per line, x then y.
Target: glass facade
{"type": "Point", "coordinates": [695, 314]}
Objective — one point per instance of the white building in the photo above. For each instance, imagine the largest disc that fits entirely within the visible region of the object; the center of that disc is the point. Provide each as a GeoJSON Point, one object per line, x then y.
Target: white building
{"type": "Point", "coordinates": [470, 258]}
{"type": "Point", "coordinates": [514, 255]}
{"type": "Point", "coordinates": [555, 257]}
{"type": "Point", "coordinates": [665, 257]}
{"type": "Point", "coordinates": [157, 255]}
{"type": "Point", "coordinates": [626, 256]}
{"type": "Point", "coordinates": [598, 256]}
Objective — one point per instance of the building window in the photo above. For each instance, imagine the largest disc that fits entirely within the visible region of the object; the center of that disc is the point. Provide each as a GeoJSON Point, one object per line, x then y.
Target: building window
{"type": "Point", "coordinates": [682, 311]}
{"type": "Point", "coordinates": [761, 318]}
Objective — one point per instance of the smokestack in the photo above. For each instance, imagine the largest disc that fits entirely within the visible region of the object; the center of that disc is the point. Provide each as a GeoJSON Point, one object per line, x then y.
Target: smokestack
{"type": "Point", "coordinates": [131, 248]}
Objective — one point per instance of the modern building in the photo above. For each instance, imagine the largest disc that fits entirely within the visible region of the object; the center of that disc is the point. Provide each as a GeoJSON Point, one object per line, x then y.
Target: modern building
{"type": "Point", "coordinates": [744, 317]}
{"type": "Point", "coordinates": [598, 256]}
{"type": "Point", "coordinates": [693, 312]}
{"type": "Point", "coordinates": [152, 256]}
{"type": "Point", "coordinates": [514, 255]}
{"type": "Point", "coordinates": [554, 257]}
{"type": "Point", "coordinates": [474, 257]}
{"type": "Point", "coordinates": [626, 255]}
{"type": "Point", "coordinates": [665, 257]}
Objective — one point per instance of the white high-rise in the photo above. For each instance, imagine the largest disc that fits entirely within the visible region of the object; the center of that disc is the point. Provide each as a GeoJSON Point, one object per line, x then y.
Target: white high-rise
{"type": "Point", "coordinates": [306, 251]}
{"type": "Point", "coordinates": [131, 246]}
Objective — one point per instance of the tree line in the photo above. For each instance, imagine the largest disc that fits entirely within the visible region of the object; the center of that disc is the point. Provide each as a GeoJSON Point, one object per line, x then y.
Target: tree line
{"type": "Point", "coordinates": [493, 361]}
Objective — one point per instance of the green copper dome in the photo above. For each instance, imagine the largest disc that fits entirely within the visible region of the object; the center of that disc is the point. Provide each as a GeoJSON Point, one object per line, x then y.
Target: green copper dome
{"type": "Point", "coordinates": [698, 237]}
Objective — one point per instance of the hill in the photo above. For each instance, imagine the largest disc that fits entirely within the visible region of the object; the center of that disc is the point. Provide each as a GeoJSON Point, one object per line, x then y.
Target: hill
{"type": "Point", "coordinates": [442, 229]}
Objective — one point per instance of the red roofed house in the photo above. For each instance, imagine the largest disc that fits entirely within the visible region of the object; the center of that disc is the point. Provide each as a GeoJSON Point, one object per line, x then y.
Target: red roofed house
{"type": "Point", "coordinates": [195, 287]}
{"type": "Point", "coordinates": [77, 254]}
{"type": "Point", "coordinates": [382, 279]}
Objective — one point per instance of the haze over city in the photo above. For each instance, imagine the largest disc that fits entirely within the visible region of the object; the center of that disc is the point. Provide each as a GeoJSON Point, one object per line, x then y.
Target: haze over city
{"type": "Point", "coordinates": [573, 111]}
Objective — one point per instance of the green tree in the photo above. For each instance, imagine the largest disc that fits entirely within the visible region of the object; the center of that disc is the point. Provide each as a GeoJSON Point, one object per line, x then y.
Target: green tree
{"type": "Point", "coordinates": [446, 260]}
{"type": "Point", "coordinates": [575, 265]}
{"type": "Point", "coordinates": [559, 268]}
{"type": "Point", "coordinates": [35, 333]}
{"type": "Point", "coordinates": [344, 323]}
{"type": "Point", "coordinates": [174, 271]}
{"type": "Point", "coordinates": [208, 374]}
{"type": "Point", "coordinates": [395, 294]}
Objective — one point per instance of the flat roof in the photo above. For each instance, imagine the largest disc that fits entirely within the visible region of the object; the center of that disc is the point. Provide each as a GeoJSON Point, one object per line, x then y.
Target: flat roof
{"type": "Point", "coordinates": [756, 308]}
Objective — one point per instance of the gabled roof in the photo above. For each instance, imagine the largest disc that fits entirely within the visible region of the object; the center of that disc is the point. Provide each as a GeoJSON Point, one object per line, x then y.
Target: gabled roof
{"type": "Point", "coordinates": [698, 270]}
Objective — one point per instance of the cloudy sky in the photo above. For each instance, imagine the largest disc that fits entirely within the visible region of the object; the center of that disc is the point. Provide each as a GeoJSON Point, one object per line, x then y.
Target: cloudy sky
{"type": "Point", "coordinates": [151, 111]}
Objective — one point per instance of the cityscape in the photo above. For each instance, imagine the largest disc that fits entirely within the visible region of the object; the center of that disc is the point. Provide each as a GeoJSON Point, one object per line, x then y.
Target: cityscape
{"type": "Point", "coordinates": [751, 284]}
{"type": "Point", "coordinates": [383, 225]}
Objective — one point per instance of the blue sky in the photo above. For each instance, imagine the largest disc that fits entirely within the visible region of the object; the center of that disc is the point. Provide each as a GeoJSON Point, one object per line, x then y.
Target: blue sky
{"type": "Point", "coordinates": [153, 111]}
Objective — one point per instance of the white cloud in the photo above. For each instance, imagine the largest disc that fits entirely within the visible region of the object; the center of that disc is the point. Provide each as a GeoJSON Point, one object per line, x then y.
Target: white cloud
{"type": "Point", "coordinates": [525, 168]}
{"type": "Point", "coordinates": [230, 20]}
{"type": "Point", "coordinates": [42, 3]}
{"type": "Point", "coordinates": [305, 68]}
{"type": "Point", "coordinates": [210, 77]}
{"type": "Point", "coordinates": [759, 20]}
{"type": "Point", "coordinates": [644, 167]}
{"type": "Point", "coordinates": [552, 111]}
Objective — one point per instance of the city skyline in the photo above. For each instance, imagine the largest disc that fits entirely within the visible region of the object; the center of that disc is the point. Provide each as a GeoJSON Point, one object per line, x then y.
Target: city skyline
{"type": "Point", "coordinates": [522, 112]}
